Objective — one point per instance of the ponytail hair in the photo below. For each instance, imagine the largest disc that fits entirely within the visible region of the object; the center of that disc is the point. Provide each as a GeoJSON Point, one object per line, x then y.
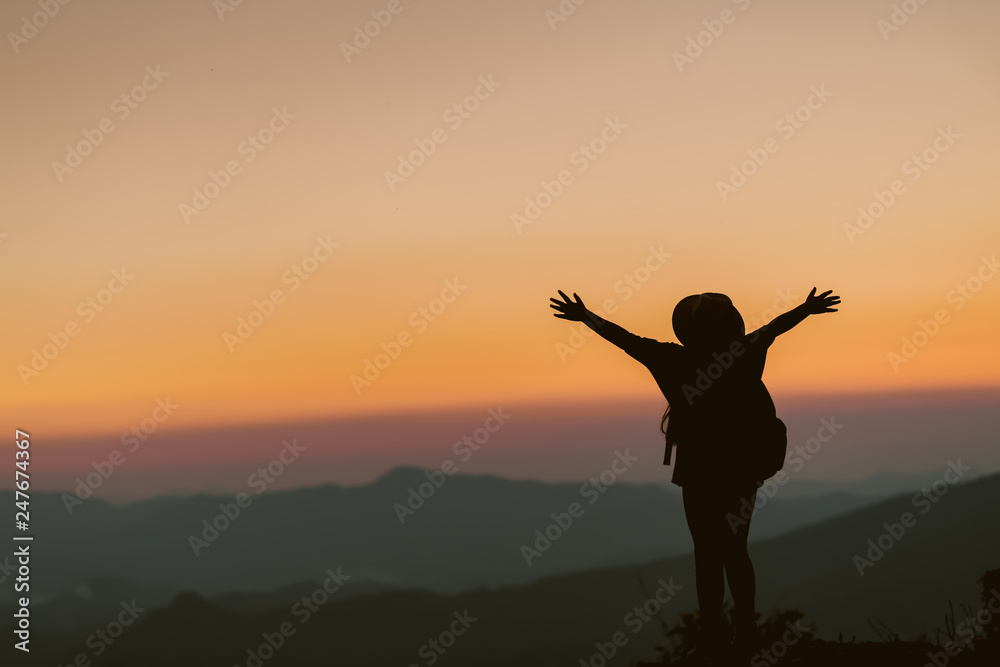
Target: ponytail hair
{"type": "Point", "coordinates": [663, 421]}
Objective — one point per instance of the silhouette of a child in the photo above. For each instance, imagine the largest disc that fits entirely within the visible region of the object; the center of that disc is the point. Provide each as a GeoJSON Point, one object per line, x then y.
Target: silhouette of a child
{"type": "Point", "coordinates": [717, 407]}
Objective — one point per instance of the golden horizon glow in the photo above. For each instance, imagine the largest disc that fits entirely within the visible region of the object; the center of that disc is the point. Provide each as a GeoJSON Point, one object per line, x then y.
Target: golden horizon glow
{"type": "Point", "coordinates": [323, 177]}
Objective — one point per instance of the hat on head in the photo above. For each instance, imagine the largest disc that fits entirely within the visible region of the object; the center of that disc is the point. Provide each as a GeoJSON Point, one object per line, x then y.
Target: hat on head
{"type": "Point", "coordinates": [705, 319]}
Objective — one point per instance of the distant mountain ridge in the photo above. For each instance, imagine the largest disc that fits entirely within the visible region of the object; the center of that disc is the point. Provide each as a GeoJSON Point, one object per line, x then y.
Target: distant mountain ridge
{"type": "Point", "coordinates": [465, 534]}
{"type": "Point", "coordinates": [561, 619]}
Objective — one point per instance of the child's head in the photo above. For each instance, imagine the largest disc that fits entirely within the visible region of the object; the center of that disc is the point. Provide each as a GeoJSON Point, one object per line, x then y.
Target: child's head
{"type": "Point", "coordinates": [707, 320]}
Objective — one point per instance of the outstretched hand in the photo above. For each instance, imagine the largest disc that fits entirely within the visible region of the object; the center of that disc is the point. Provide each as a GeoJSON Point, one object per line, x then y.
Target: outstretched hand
{"type": "Point", "coordinates": [569, 310]}
{"type": "Point", "coordinates": [822, 303]}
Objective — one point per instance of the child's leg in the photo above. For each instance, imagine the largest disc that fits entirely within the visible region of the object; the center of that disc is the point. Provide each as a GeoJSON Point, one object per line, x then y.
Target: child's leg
{"type": "Point", "coordinates": [701, 509]}
{"type": "Point", "coordinates": [739, 568]}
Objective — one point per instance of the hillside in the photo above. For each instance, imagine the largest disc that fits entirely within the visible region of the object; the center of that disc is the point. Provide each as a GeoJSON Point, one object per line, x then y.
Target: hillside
{"type": "Point", "coordinates": [559, 619]}
{"type": "Point", "coordinates": [467, 534]}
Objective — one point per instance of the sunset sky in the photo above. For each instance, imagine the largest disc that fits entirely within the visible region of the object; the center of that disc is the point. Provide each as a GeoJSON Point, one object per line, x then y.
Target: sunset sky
{"type": "Point", "coordinates": [664, 133]}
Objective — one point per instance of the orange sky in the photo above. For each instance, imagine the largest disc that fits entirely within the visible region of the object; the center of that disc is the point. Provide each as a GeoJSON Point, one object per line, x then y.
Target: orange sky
{"type": "Point", "coordinates": [323, 176]}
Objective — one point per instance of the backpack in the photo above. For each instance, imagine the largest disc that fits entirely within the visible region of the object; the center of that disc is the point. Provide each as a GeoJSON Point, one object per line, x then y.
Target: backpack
{"type": "Point", "coordinates": [773, 449]}
{"type": "Point", "coordinates": [764, 460]}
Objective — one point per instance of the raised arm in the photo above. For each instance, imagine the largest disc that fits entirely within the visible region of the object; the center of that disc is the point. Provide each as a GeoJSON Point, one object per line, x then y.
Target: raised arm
{"type": "Point", "coordinates": [575, 311]}
{"type": "Point", "coordinates": [813, 305]}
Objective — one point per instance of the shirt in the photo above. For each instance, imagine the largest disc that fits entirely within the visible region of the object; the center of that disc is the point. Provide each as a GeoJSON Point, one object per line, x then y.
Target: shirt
{"type": "Point", "coordinates": [716, 400]}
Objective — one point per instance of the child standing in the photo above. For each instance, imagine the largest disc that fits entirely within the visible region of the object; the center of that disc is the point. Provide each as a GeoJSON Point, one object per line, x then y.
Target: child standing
{"type": "Point", "coordinates": [721, 419]}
